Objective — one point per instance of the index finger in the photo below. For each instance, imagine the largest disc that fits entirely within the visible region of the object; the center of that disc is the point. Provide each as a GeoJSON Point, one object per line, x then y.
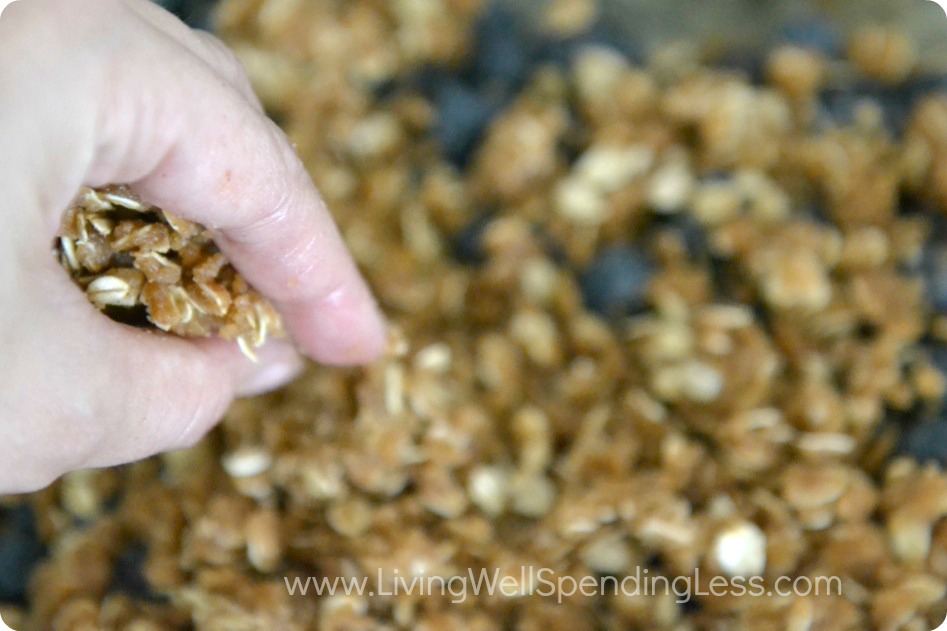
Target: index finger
{"type": "Point", "coordinates": [191, 143]}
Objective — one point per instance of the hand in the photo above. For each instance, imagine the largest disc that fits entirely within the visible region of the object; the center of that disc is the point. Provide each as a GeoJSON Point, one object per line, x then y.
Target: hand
{"type": "Point", "coordinates": [105, 91]}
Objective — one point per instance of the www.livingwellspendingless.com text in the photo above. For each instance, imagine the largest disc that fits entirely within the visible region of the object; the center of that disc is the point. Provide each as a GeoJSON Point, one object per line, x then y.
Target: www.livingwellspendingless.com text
{"type": "Point", "coordinates": [545, 582]}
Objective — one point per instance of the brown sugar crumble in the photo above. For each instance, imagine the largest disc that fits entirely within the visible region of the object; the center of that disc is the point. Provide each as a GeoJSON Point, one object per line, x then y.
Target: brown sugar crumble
{"type": "Point", "coordinates": [125, 254]}
{"type": "Point", "coordinates": [651, 317]}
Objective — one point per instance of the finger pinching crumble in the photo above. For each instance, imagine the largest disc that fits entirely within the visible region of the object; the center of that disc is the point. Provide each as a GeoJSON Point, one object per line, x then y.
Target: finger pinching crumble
{"type": "Point", "coordinates": [131, 257]}
{"type": "Point", "coordinates": [657, 316]}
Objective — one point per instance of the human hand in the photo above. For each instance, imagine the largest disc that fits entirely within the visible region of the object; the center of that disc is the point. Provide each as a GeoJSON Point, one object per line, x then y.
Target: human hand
{"type": "Point", "coordinates": [104, 91]}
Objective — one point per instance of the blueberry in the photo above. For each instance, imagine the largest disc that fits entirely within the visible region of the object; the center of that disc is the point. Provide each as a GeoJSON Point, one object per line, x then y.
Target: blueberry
{"type": "Point", "coordinates": [716, 177]}
{"type": "Point", "coordinates": [837, 104]}
{"type": "Point", "coordinates": [561, 51]}
{"type": "Point", "coordinates": [128, 574]}
{"type": "Point", "coordinates": [924, 433]}
{"type": "Point", "coordinates": [20, 550]}
{"type": "Point", "coordinates": [938, 354]}
{"type": "Point", "coordinates": [747, 62]}
{"type": "Point", "coordinates": [385, 90]}
{"type": "Point", "coordinates": [818, 213]}
{"type": "Point", "coordinates": [934, 273]}
{"type": "Point", "coordinates": [689, 232]}
{"type": "Point", "coordinates": [913, 205]}
{"type": "Point", "coordinates": [502, 57]}
{"type": "Point", "coordinates": [815, 34]}
{"type": "Point", "coordinates": [616, 282]}
{"type": "Point", "coordinates": [468, 242]}
{"type": "Point", "coordinates": [428, 80]}
{"type": "Point", "coordinates": [925, 441]}
{"type": "Point", "coordinates": [463, 115]}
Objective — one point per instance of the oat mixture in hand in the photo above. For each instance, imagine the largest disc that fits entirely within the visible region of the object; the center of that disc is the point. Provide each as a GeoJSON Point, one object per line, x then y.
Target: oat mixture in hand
{"type": "Point", "coordinates": [130, 257]}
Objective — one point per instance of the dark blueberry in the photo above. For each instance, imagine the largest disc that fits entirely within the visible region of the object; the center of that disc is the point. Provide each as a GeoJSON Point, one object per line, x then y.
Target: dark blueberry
{"type": "Point", "coordinates": [128, 574]}
{"type": "Point", "coordinates": [911, 205]}
{"type": "Point", "coordinates": [925, 441]}
{"type": "Point", "coordinates": [462, 117]}
{"type": "Point", "coordinates": [468, 242]}
{"type": "Point", "coordinates": [502, 56]}
{"type": "Point", "coordinates": [195, 13]}
{"type": "Point", "coordinates": [385, 90]}
{"type": "Point", "coordinates": [747, 62]}
{"type": "Point", "coordinates": [934, 273]}
{"type": "Point", "coordinates": [762, 317]}
{"type": "Point", "coordinates": [607, 31]}
{"type": "Point", "coordinates": [688, 231]}
{"type": "Point", "coordinates": [561, 52]}
{"type": "Point", "coordinates": [813, 33]}
{"type": "Point", "coordinates": [818, 213]}
{"type": "Point", "coordinates": [924, 432]}
{"type": "Point", "coordinates": [691, 606]}
{"type": "Point", "coordinates": [837, 104]}
{"type": "Point", "coordinates": [553, 249]}
{"type": "Point", "coordinates": [20, 551]}
{"type": "Point", "coordinates": [616, 281]}
{"type": "Point", "coordinates": [429, 80]}
{"type": "Point", "coordinates": [716, 177]}
{"type": "Point", "coordinates": [938, 355]}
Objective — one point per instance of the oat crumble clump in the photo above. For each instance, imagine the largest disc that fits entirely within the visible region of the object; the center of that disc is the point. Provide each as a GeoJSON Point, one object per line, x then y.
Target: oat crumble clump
{"type": "Point", "coordinates": [128, 255]}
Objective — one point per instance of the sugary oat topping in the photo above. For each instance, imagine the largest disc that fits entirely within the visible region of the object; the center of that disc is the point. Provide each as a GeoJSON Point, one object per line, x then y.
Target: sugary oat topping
{"type": "Point", "coordinates": [652, 316]}
{"type": "Point", "coordinates": [137, 261]}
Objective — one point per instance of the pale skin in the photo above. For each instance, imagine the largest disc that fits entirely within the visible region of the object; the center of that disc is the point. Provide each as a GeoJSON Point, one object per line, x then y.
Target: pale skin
{"type": "Point", "coordinates": [103, 91]}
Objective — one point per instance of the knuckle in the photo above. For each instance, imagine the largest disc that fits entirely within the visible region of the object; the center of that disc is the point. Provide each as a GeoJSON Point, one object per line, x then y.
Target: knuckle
{"type": "Point", "coordinates": [170, 401]}
{"type": "Point", "coordinates": [193, 425]}
{"type": "Point", "coordinates": [197, 414]}
{"type": "Point", "coordinates": [224, 60]}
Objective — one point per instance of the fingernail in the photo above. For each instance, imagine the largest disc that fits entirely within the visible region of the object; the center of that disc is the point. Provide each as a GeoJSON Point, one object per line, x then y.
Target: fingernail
{"type": "Point", "coordinates": [348, 329]}
{"type": "Point", "coordinates": [354, 340]}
